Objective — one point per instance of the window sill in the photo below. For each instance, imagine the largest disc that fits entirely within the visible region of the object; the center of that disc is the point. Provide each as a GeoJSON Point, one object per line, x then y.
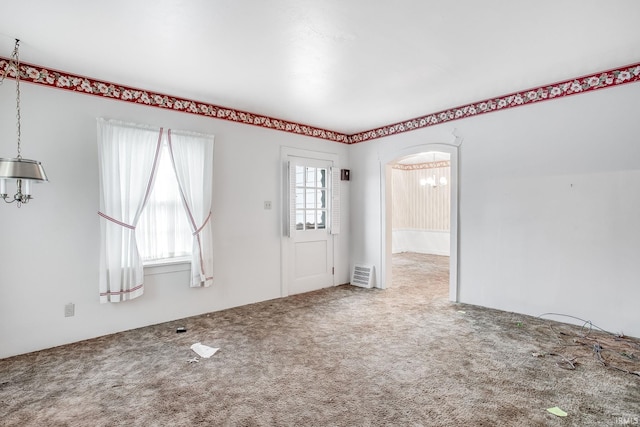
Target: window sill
{"type": "Point", "coordinates": [170, 265]}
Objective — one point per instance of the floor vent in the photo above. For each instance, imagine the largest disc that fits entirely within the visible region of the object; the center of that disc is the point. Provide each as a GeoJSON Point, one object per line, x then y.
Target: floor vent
{"type": "Point", "coordinates": [362, 276]}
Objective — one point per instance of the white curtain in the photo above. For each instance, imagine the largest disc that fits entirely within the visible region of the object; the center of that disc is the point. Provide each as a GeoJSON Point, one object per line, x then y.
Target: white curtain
{"type": "Point", "coordinates": [128, 156]}
{"type": "Point", "coordinates": [192, 156]}
{"type": "Point", "coordinates": [163, 230]}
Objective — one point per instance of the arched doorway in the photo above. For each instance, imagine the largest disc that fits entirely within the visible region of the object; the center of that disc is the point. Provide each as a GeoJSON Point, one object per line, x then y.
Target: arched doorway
{"type": "Point", "coordinates": [409, 156]}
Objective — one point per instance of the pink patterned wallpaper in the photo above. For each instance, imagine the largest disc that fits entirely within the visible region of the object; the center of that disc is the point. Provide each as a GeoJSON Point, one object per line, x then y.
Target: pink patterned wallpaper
{"type": "Point", "coordinates": [421, 207]}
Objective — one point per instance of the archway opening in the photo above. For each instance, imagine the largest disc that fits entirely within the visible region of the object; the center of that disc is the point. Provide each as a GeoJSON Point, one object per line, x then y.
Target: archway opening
{"type": "Point", "coordinates": [420, 215]}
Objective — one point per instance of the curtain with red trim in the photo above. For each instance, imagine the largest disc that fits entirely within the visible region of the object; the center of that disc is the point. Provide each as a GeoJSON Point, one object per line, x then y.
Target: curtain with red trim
{"type": "Point", "coordinates": [192, 157]}
{"type": "Point", "coordinates": [128, 157]}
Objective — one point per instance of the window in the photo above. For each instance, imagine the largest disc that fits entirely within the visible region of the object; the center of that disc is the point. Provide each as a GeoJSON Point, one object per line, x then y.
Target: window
{"type": "Point", "coordinates": [311, 198]}
{"type": "Point", "coordinates": [129, 157]}
{"type": "Point", "coordinates": [163, 231]}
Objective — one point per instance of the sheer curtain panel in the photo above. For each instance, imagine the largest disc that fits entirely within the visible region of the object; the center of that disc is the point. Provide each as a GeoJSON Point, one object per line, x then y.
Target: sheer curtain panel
{"type": "Point", "coordinates": [192, 157]}
{"type": "Point", "coordinates": [128, 157]}
{"type": "Point", "coordinates": [163, 231]}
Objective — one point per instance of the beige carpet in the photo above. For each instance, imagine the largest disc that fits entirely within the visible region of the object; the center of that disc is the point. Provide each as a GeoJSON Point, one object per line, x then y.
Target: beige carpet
{"type": "Point", "coordinates": [343, 356]}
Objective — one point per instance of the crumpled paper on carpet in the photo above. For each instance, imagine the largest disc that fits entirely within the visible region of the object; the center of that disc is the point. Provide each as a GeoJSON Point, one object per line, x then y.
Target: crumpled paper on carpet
{"type": "Point", "coordinates": [557, 411]}
{"type": "Point", "coordinates": [204, 350]}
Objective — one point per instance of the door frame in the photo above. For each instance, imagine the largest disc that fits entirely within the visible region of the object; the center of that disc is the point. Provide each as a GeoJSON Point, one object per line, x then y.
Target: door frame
{"type": "Point", "coordinates": [286, 153]}
{"type": "Point", "coordinates": [453, 149]}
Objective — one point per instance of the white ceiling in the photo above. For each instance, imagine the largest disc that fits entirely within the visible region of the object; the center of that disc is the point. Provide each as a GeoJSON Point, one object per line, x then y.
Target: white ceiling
{"type": "Point", "coordinates": [342, 65]}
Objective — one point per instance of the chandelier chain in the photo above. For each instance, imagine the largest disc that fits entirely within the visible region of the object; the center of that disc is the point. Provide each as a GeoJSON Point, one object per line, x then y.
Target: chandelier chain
{"type": "Point", "coordinates": [17, 58]}
{"type": "Point", "coordinates": [15, 62]}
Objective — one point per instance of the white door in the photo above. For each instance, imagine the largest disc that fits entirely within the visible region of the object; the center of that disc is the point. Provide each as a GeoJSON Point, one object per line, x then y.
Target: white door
{"type": "Point", "coordinates": [310, 239]}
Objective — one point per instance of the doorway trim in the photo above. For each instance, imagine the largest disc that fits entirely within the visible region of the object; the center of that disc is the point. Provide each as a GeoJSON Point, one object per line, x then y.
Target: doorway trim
{"type": "Point", "coordinates": [453, 149]}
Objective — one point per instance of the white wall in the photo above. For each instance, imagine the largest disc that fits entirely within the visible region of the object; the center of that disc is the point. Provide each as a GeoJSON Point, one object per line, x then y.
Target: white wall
{"type": "Point", "coordinates": [49, 248]}
{"type": "Point", "coordinates": [549, 206]}
{"type": "Point", "coordinates": [549, 209]}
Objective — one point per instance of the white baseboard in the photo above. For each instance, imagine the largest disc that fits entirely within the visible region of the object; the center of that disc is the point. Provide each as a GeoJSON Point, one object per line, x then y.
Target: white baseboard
{"type": "Point", "coordinates": [421, 241]}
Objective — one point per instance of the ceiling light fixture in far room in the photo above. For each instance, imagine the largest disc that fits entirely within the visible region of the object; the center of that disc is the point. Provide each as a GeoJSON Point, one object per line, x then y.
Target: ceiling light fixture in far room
{"type": "Point", "coordinates": [23, 171]}
{"type": "Point", "coordinates": [431, 181]}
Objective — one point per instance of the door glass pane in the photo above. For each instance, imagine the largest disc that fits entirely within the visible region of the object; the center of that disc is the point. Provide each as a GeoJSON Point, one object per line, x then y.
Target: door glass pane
{"type": "Point", "coordinates": [321, 219]}
{"type": "Point", "coordinates": [299, 220]}
{"type": "Point", "coordinates": [299, 198]}
{"type": "Point", "coordinates": [311, 199]}
{"type": "Point", "coordinates": [322, 175]}
{"type": "Point", "coordinates": [321, 198]}
{"type": "Point", "coordinates": [311, 220]}
{"type": "Point", "coordinates": [311, 177]}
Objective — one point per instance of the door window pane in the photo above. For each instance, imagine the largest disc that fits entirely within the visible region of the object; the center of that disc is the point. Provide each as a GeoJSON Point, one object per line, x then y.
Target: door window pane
{"type": "Point", "coordinates": [311, 220]}
{"type": "Point", "coordinates": [321, 199]}
{"type": "Point", "coordinates": [322, 178]}
{"type": "Point", "coordinates": [311, 177]}
{"type": "Point", "coordinates": [299, 198]}
{"type": "Point", "coordinates": [311, 198]}
{"type": "Point", "coordinates": [299, 220]}
{"type": "Point", "coordinates": [321, 222]}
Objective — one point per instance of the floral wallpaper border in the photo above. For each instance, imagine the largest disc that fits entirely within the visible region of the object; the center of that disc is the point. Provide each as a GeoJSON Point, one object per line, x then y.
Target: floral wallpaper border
{"type": "Point", "coordinates": [62, 80]}
{"type": "Point", "coordinates": [601, 80]}
{"type": "Point", "coordinates": [427, 165]}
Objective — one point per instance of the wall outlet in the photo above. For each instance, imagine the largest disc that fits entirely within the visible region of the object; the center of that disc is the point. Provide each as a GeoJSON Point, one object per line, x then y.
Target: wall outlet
{"type": "Point", "coordinates": [69, 310]}
{"type": "Point", "coordinates": [267, 204]}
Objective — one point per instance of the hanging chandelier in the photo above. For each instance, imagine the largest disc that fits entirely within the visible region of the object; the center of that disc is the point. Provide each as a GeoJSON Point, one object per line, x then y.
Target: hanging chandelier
{"type": "Point", "coordinates": [431, 181]}
{"type": "Point", "coordinates": [23, 171]}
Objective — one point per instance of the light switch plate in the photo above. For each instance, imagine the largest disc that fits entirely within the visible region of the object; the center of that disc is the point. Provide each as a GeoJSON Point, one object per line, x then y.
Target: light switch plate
{"type": "Point", "coordinates": [69, 310]}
